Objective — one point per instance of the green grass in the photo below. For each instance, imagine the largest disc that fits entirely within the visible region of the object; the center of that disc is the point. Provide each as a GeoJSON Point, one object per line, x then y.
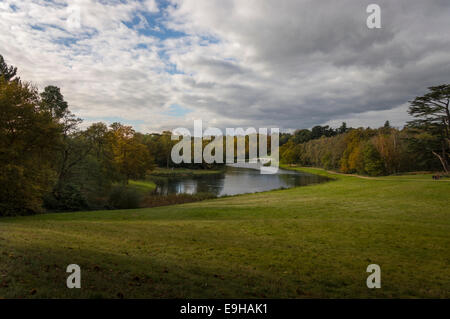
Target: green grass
{"type": "Point", "coordinates": [305, 242]}
{"type": "Point", "coordinates": [143, 186]}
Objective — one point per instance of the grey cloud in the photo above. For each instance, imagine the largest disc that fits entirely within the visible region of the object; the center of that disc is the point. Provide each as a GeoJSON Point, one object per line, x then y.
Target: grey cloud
{"type": "Point", "coordinates": [282, 63]}
{"type": "Point", "coordinates": [321, 59]}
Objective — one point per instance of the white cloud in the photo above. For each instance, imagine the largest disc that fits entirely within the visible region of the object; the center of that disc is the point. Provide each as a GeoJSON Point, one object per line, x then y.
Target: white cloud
{"type": "Point", "coordinates": [396, 117]}
{"type": "Point", "coordinates": [289, 64]}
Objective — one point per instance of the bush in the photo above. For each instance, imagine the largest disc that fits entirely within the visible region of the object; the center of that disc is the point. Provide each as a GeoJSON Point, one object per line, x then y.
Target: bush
{"type": "Point", "coordinates": [22, 190]}
{"type": "Point", "coordinates": [122, 197]}
{"type": "Point", "coordinates": [70, 198]}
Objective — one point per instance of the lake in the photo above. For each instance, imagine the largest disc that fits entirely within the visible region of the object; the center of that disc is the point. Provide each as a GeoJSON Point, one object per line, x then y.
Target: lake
{"type": "Point", "coordinates": [235, 180]}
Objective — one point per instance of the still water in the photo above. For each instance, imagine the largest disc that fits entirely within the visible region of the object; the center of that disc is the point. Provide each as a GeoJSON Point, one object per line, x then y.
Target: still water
{"type": "Point", "coordinates": [235, 180]}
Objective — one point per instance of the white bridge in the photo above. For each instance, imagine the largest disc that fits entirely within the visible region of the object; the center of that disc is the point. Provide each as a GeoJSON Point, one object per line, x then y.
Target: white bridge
{"type": "Point", "coordinates": [262, 164]}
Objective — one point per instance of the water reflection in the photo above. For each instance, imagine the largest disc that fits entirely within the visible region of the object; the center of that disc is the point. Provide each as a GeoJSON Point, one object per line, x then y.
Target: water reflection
{"type": "Point", "coordinates": [233, 181]}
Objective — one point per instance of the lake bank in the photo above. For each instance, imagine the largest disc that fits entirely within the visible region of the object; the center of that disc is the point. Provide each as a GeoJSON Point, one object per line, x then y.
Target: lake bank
{"type": "Point", "coordinates": [184, 172]}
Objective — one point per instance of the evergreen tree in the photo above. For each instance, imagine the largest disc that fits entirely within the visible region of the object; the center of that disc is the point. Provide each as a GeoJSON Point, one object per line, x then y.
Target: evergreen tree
{"type": "Point", "coordinates": [7, 72]}
{"type": "Point", "coordinates": [433, 117]}
{"type": "Point", "coordinates": [343, 128]}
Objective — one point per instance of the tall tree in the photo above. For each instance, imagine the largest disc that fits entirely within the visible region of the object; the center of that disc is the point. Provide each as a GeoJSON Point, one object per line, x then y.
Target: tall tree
{"type": "Point", "coordinates": [166, 146]}
{"type": "Point", "coordinates": [53, 101]}
{"type": "Point", "coordinates": [7, 72]}
{"type": "Point", "coordinates": [70, 148]}
{"type": "Point", "coordinates": [132, 158]}
{"type": "Point", "coordinates": [27, 139]}
{"type": "Point", "coordinates": [343, 128]}
{"type": "Point", "coordinates": [433, 117]}
{"type": "Point", "coordinates": [301, 136]}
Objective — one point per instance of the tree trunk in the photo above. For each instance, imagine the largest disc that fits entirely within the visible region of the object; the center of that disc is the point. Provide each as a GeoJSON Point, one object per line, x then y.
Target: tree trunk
{"type": "Point", "coordinates": [443, 161]}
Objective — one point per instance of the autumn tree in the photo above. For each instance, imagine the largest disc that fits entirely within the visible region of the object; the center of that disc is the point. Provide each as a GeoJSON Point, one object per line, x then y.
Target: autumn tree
{"type": "Point", "coordinates": [131, 158]}
{"type": "Point", "coordinates": [387, 143]}
{"type": "Point", "coordinates": [27, 138]}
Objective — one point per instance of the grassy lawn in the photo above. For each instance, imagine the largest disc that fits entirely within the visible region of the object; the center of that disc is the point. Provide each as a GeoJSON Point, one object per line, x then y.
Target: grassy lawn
{"type": "Point", "coordinates": [142, 186]}
{"type": "Point", "coordinates": [305, 242]}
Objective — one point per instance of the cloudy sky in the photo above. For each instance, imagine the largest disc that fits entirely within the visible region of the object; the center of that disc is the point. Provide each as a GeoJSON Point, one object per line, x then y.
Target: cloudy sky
{"type": "Point", "coordinates": [289, 64]}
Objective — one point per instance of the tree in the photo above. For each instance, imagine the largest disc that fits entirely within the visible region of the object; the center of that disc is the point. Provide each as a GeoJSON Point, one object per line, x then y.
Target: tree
{"type": "Point", "coordinates": [284, 138]}
{"type": "Point", "coordinates": [53, 102]}
{"type": "Point", "coordinates": [301, 136]}
{"type": "Point", "coordinates": [343, 128]}
{"type": "Point", "coordinates": [373, 164]}
{"type": "Point", "coordinates": [71, 150]}
{"type": "Point", "coordinates": [351, 160]}
{"type": "Point", "coordinates": [7, 72]}
{"type": "Point", "coordinates": [317, 131]}
{"type": "Point", "coordinates": [166, 146]}
{"type": "Point", "coordinates": [27, 138]}
{"type": "Point", "coordinates": [433, 117]}
{"type": "Point", "coordinates": [289, 153]}
{"type": "Point", "coordinates": [387, 144]}
{"type": "Point", "coordinates": [131, 158]}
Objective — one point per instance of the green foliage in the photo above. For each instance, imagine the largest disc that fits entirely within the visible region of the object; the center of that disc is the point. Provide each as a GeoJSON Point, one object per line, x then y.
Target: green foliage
{"type": "Point", "coordinates": [122, 197]}
{"type": "Point", "coordinates": [7, 72]}
{"type": "Point", "coordinates": [364, 151]}
{"type": "Point", "coordinates": [326, 161]}
{"type": "Point", "coordinates": [70, 198]}
{"type": "Point", "coordinates": [53, 102]}
{"type": "Point", "coordinates": [23, 187]}
{"type": "Point", "coordinates": [131, 157]}
{"type": "Point", "coordinates": [342, 129]}
{"type": "Point", "coordinates": [27, 136]}
{"type": "Point", "coordinates": [373, 164]}
{"type": "Point", "coordinates": [432, 116]}
{"type": "Point", "coordinates": [289, 153]}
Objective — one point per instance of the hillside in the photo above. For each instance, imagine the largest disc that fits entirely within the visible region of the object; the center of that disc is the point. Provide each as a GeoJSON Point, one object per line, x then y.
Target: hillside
{"type": "Point", "coordinates": [306, 242]}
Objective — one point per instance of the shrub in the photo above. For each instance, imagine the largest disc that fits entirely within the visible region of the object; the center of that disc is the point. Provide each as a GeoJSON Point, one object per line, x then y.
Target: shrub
{"type": "Point", "coordinates": [122, 197]}
{"type": "Point", "coordinates": [70, 198]}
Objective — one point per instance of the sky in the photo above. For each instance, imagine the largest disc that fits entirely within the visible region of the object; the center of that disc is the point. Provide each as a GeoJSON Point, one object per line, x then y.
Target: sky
{"type": "Point", "coordinates": [159, 65]}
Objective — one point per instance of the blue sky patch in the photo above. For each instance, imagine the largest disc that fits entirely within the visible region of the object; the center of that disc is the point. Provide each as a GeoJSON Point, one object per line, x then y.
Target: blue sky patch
{"type": "Point", "coordinates": [153, 24]}
{"type": "Point", "coordinates": [177, 111]}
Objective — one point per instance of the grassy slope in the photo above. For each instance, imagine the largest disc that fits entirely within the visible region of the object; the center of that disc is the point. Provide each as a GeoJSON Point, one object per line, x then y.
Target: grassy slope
{"type": "Point", "coordinates": [143, 186]}
{"type": "Point", "coordinates": [313, 241]}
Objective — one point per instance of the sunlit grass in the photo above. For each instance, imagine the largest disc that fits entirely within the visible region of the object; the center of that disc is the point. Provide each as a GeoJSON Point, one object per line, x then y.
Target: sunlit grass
{"type": "Point", "coordinates": [305, 242]}
{"type": "Point", "coordinates": [142, 185]}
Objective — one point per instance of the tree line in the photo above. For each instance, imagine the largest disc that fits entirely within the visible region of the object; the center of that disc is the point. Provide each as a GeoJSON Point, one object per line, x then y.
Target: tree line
{"type": "Point", "coordinates": [421, 145]}
{"type": "Point", "coordinates": [48, 162]}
